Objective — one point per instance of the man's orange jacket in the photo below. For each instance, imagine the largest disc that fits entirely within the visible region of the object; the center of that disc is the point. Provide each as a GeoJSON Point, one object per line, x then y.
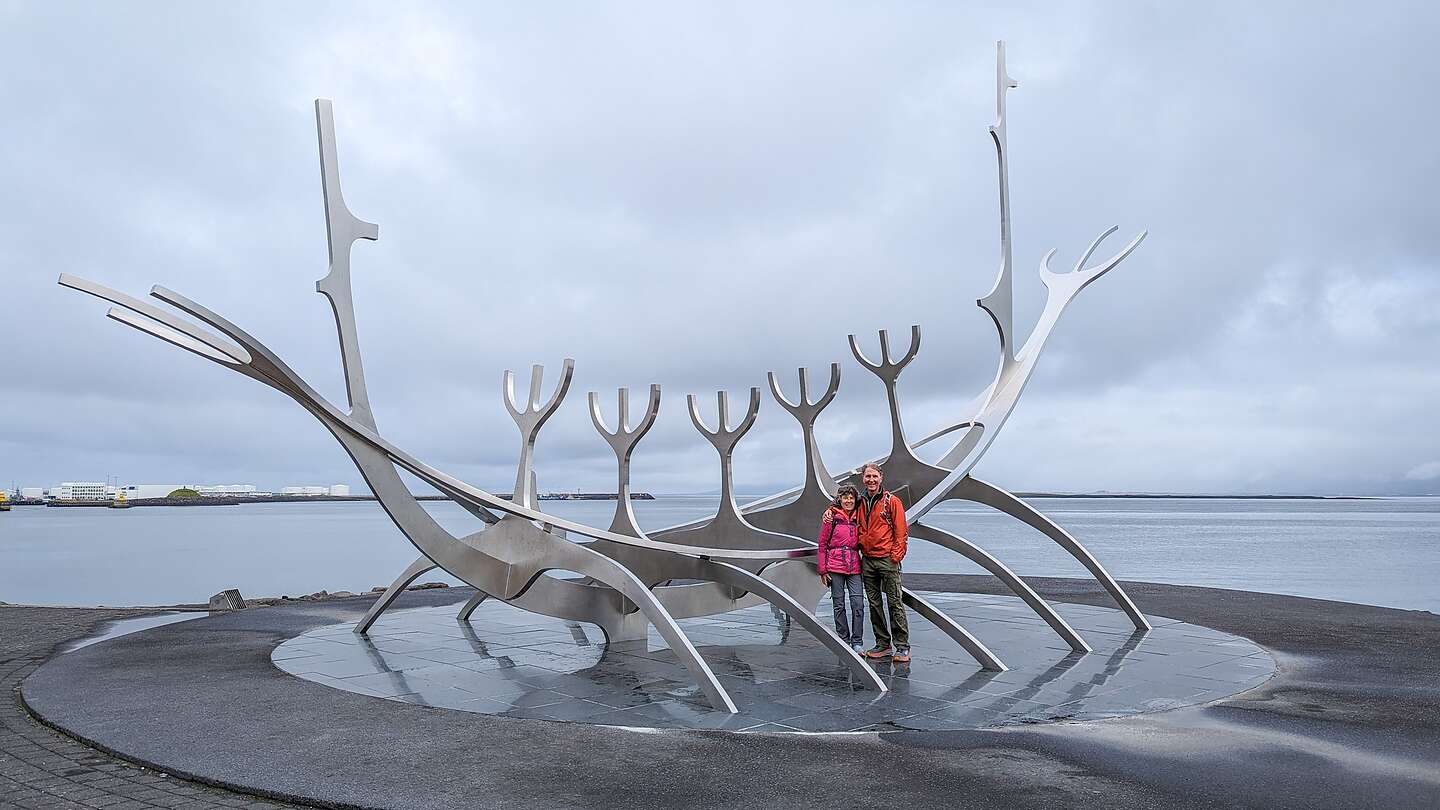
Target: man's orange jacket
{"type": "Point", "coordinates": [883, 532]}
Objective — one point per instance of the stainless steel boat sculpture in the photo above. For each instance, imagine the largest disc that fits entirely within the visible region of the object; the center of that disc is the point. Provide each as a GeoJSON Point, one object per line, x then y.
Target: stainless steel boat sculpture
{"type": "Point", "coordinates": [630, 580]}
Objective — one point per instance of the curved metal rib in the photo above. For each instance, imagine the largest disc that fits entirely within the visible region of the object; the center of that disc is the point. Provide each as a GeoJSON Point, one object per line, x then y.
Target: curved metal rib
{"type": "Point", "coordinates": [952, 628]}
{"type": "Point", "coordinates": [1002, 572]}
{"type": "Point", "coordinates": [468, 609]}
{"type": "Point", "coordinates": [742, 579]}
{"type": "Point", "coordinates": [409, 575]}
{"type": "Point", "coordinates": [592, 564]}
{"type": "Point", "coordinates": [973, 489]}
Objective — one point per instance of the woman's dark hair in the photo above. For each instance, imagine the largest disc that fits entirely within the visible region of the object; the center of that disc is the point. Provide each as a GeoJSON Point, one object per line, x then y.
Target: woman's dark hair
{"type": "Point", "coordinates": [846, 489]}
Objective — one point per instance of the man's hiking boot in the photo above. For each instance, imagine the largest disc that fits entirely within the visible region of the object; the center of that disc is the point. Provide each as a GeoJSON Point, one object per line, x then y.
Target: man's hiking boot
{"type": "Point", "coordinates": [878, 652]}
{"type": "Point", "coordinates": [901, 656]}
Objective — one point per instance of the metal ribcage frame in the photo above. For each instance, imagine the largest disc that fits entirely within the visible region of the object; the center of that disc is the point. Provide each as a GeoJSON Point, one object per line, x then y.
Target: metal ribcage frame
{"type": "Point", "coordinates": [745, 556]}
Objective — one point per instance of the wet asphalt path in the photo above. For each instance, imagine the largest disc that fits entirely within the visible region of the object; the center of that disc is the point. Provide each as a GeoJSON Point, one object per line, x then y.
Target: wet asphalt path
{"type": "Point", "coordinates": [1352, 719]}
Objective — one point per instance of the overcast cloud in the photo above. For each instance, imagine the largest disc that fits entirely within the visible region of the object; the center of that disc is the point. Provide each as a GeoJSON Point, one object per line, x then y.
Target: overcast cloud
{"type": "Point", "coordinates": [695, 195]}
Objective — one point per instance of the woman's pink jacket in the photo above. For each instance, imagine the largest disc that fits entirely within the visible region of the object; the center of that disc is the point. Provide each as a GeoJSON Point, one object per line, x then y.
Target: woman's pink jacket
{"type": "Point", "coordinates": [839, 545]}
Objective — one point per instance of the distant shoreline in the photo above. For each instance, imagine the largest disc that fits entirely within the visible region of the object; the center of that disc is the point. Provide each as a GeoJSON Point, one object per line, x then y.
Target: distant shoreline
{"type": "Point", "coordinates": [645, 496]}
{"type": "Point", "coordinates": [237, 501]}
{"type": "Point", "coordinates": [1143, 496]}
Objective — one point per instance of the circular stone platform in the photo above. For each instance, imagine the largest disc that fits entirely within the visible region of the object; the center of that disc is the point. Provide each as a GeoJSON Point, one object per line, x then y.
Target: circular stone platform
{"type": "Point", "coordinates": [516, 664]}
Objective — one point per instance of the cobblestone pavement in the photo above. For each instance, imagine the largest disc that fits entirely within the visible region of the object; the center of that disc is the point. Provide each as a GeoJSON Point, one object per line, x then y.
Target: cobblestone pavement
{"type": "Point", "coordinates": [41, 768]}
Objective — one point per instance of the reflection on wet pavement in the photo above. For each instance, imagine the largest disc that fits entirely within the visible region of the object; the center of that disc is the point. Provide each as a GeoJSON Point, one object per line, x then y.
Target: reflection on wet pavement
{"type": "Point", "coordinates": [509, 662]}
{"type": "Point", "coordinates": [124, 627]}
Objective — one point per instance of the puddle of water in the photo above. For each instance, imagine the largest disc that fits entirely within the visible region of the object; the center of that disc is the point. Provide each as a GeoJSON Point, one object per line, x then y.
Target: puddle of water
{"type": "Point", "coordinates": [124, 627]}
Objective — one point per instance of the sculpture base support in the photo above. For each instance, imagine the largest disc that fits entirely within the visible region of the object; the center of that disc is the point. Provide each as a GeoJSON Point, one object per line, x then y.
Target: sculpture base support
{"type": "Point", "coordinates": [409, 575]}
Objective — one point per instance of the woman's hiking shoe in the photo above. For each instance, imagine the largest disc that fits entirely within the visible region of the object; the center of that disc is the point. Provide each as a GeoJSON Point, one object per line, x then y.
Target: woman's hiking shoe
{"type": "Point", "coordinates": [901, 656]}
{"type": "Point", "coordinates": [878, 652]}
{"type": "Point", "coordinates": [858, 648]}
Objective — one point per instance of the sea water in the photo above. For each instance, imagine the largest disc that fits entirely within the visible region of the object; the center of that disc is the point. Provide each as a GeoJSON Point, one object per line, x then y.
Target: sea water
{"type": "Point", "coordinates": [1375, 551]}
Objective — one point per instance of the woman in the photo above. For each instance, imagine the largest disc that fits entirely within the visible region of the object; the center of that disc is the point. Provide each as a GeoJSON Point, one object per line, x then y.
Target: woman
{"type": "Point", "coordinates": [839, 563]}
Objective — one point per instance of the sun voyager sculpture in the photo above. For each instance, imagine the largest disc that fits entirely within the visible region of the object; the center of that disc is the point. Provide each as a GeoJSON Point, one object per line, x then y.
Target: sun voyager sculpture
{"type": "Point", "coordinates": [629, 579]}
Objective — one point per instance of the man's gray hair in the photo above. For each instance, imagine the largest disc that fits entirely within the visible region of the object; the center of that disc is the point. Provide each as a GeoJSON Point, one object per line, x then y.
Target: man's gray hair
{"type": "Point", "coordinates": [875, 467]}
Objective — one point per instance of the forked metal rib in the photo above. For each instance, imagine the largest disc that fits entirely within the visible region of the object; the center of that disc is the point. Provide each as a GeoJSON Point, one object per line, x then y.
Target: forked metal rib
{"type": "Point", "coordinates": [888, 370]}
{"type": "Point", "coordinates": [800, 516]}
{"type": "Point", "coordinates": [806, 412]}
{"type": "Point", "coordinates": [728, 529]}
{"type": "Point", "coordinates": [724, 439]}
{"type": "Point", "coordinates": [623, 440]}
{"type": "Point", "coordinates": [529, 420]}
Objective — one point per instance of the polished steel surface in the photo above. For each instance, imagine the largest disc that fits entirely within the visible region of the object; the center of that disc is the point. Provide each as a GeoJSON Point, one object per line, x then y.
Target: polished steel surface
{"type": "Point", "coordinates": [620, 578]}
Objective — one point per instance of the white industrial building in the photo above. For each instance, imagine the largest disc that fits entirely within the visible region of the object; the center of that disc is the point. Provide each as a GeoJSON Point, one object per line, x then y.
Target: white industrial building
{"type": "Point", "coordinates": [141, 491]}
{"type": "Point", "coordinates": [134, 492]}
{"type": "Point", "coordinates": [83, 491]}
{"type": "Point", "coordinates": [333, 489]}
{"type": "Point", "coordinates": [32, 493]}
{"type": "Point", "coordinates": [230, 490]}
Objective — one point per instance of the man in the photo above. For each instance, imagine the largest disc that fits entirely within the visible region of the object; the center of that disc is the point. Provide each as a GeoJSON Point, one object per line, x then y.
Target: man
{"type": "Point", "coordinates": [883, 536]}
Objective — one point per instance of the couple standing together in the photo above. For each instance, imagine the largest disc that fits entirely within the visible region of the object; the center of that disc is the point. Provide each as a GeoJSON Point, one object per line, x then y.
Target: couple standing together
{"type": "Point", "coordinates": [862, 541]}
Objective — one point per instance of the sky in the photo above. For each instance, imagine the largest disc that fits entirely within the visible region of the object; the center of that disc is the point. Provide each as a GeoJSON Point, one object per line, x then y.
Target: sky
{"type": "Point", "coordinates": [695, 194]}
